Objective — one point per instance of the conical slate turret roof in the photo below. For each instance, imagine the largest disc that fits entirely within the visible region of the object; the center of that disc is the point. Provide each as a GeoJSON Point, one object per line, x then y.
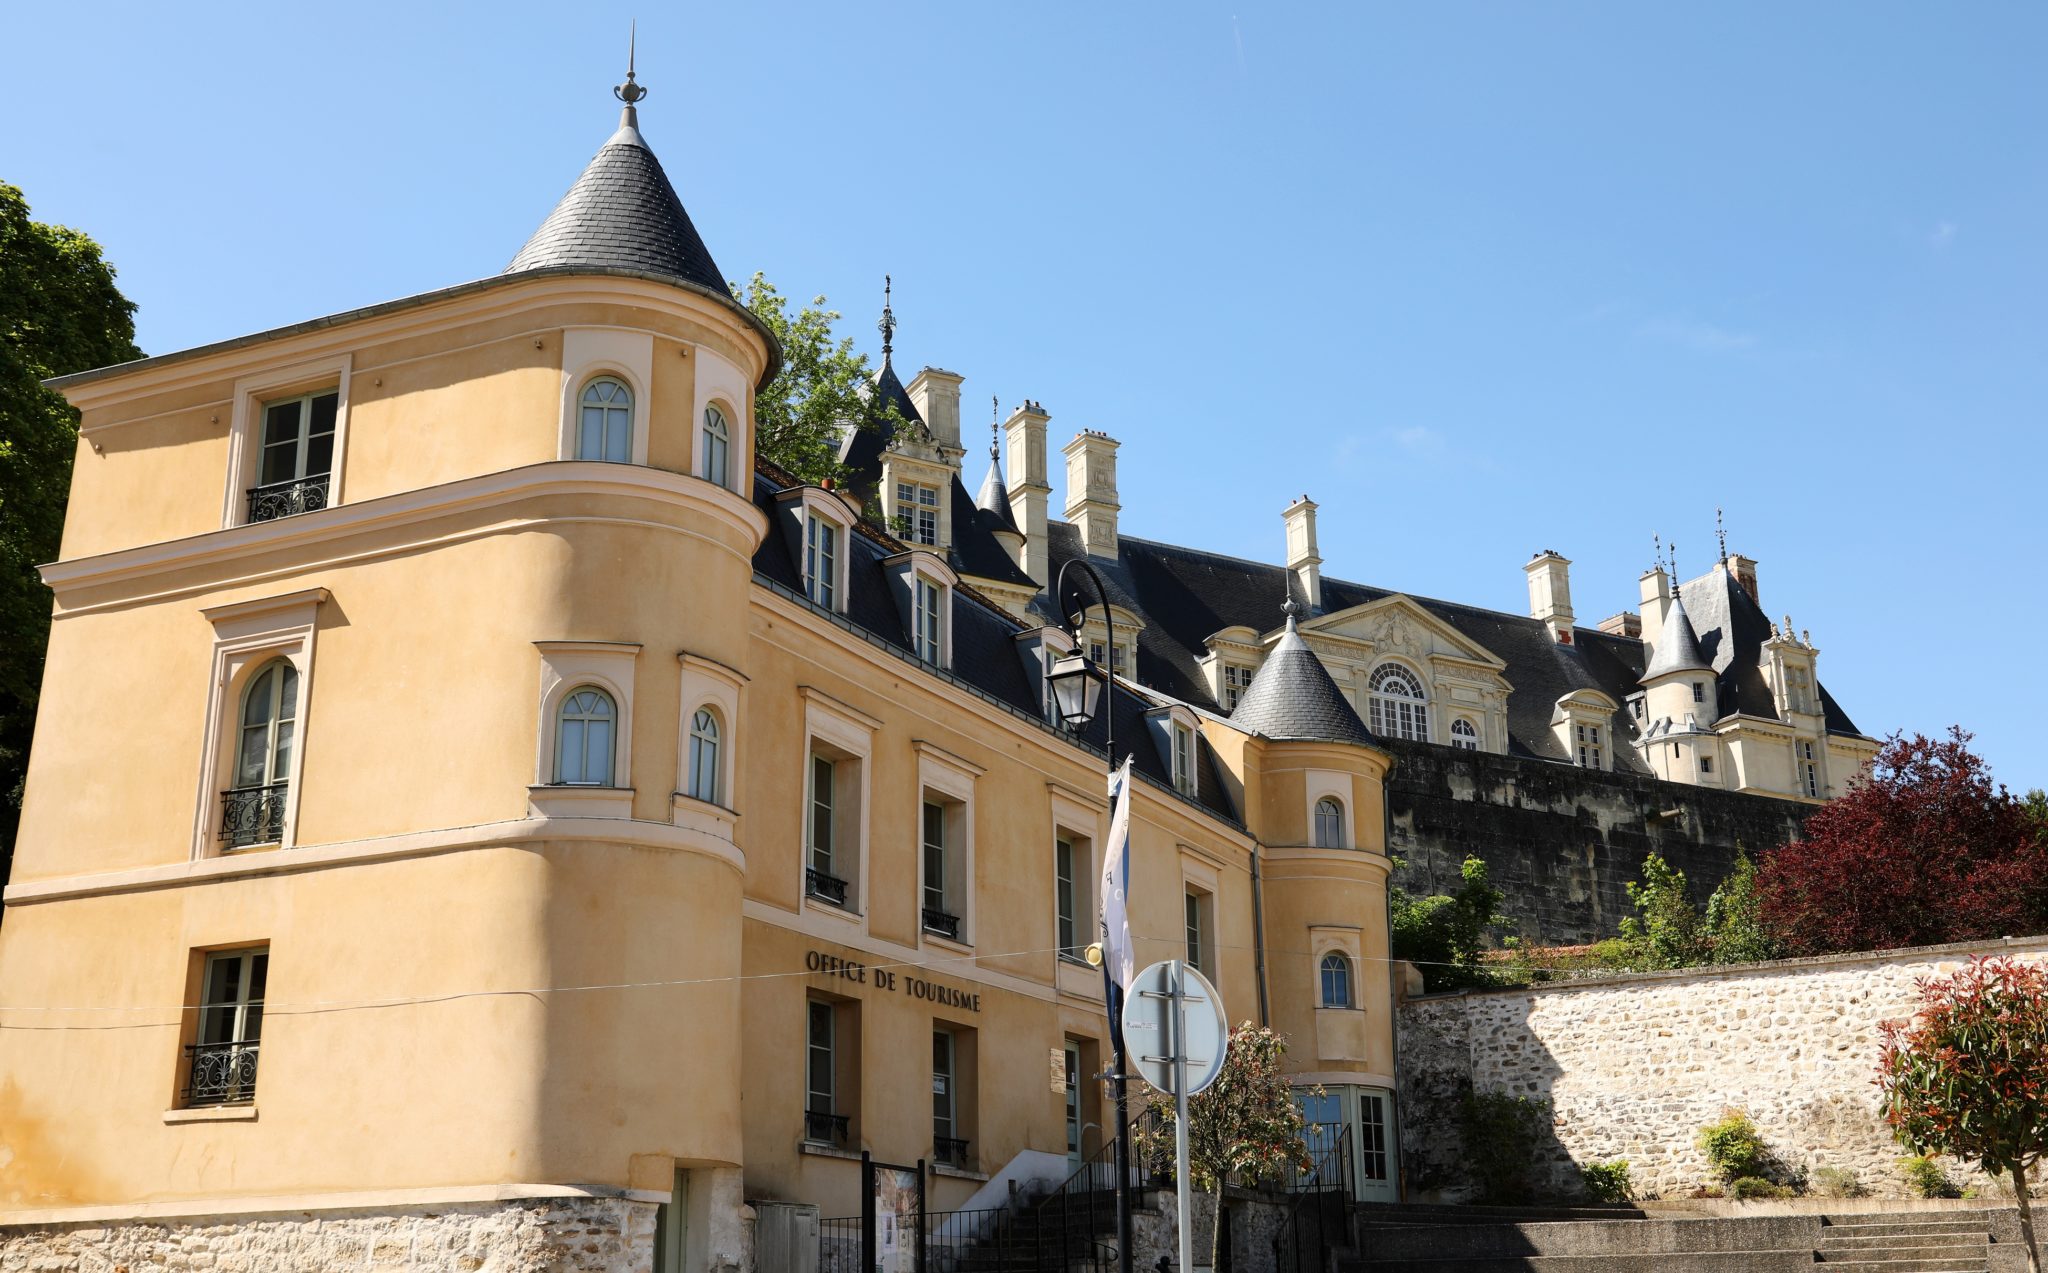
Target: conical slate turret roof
{"type": "Point", "coordinates": [1293, 697]}
{"type": "Point", "coordinates": [1678, 646]}
{"type": "Point", "coordinates": [994, 498]}
{"type": "Point", "coordinates": [622, 214]}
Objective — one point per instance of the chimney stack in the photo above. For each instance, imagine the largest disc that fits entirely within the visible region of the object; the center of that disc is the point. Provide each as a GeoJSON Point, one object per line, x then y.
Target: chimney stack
{"type": "Point", "coordinates": [1550, 593]}
{"type": "Point", "coordinates": [1744, 570]}
{"type": "Point", "coordinates": [1030, 492]}
{"type": "Point", "coordinates": [1303, 562]}
{"type": "Point", "coordinates": [1091, 490]}
{"type": "Point", "coordinates": [1656, 595]}
{"type": "Point", "coordinates": [936, 395]}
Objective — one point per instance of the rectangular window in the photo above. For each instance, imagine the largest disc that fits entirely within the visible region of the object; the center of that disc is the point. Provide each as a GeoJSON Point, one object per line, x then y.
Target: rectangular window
{"type": "Point", "coordinates": [821, 558]}
{"type": "Point", "coordinates": [1064, 898]}
{"type": "Point", "coordinates": [824, 879]}
{"type": "Point", "coordinates": [221, 1060]}
{"type": "Point", "coordinates": [1372, 1136]}
{"type": "Point", "coordinates": [1706, 764]}
{"type": "Point", "coordinates": [941, 912]}
{"type": "Point", "coordinates": [925, 618]}
{"type": "Point", "coordinates": [1589, 746]}
{"type": "Point", "coordinates": [1072, 1057]}
{"type": "Point", "coordinates": [1184, 760]}
{"type": "Point", "coordinates": [917, 505]}
{"type": "Point", "coordinates": [1699, 692]}
{"type": "Point", "coordinates": [1116, 656]}
{"type": "Point", "coordinates": [1812, 772]}
{"type": "Point", "coordinates": [945, 1124]}
{"type": "Point", "coordinates": [1236, 680]}
{"type": "Point", "coordinates": [297, 456]}
{"type": "Point", "coordinates": [823, 1122]}
{"type": "Point", "coordinates": [1198, 920]}
{"type": "Point", "coordinates": [1637, 708]}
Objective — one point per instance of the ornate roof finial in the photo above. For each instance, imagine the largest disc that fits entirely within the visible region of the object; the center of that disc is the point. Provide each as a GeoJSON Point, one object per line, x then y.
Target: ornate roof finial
{"type": "Point", "coordinates": [888, 324]}
{"type": "Point", "coordinates": [630, 92]}
{"type": "Point", "coordinates": [1290, 609]}
{"type": "Point", "coordinates": [1656, 552]}
{"type": "Point", "coordinates": [995, 428]}
{"type": "Point", "coordinates": [1721, 533]}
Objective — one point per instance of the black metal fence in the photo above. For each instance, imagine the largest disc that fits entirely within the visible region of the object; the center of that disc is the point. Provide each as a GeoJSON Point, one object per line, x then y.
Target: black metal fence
{"type": "Point", "coordinates": [1319, 1199]}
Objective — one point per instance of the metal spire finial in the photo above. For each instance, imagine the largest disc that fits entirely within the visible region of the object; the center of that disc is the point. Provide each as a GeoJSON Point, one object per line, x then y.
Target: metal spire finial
{"type": "Point", "coordinates": [1721, 533]}
{"type": "Point", "coordinates": [995, 428]}
{"type": "Point", "coordinates": [630, 92]}
{"type": "Point", "coordinates": [1657, 552]}
{"type": "Point", "coordinates": [888, 324]}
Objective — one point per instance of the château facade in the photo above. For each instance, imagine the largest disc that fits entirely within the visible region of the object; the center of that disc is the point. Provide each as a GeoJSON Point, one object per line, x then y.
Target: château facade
{"type": "Point", "coordinates": [475, 794]}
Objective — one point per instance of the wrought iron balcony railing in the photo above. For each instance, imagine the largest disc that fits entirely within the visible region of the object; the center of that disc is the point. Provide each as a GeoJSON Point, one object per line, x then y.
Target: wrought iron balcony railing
{"type": "Point", "coordinates": [950, 1150]}
{"type": "Point", "coordinates": [284, 499]}
{"type": "Point", "coordinates": [824, 1128]}
{"type": "Point", "coordinates": [824, 887]}
{"type": "Point", "coordinates": [220, 1073]}
{"type": "Point", "coordinates": [253, 815]}
{"type": "Point", "coordinates": [937, 921]}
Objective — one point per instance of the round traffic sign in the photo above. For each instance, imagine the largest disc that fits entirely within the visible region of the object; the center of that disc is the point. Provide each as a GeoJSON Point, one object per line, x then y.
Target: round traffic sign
{"type": "Point", "coordinates": [1153, 1041]}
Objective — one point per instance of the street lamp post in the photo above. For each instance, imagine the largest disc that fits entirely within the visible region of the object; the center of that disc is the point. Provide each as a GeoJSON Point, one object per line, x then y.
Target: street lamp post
{"type": "Point", "coordinates": [1078, 693]}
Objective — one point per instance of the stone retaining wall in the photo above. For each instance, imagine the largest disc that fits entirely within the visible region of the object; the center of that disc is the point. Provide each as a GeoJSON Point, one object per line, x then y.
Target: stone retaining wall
{"type": "Point", "coordinates": [1635, 1065]}
{"type": "Point", "coordinates": [541, 1235]}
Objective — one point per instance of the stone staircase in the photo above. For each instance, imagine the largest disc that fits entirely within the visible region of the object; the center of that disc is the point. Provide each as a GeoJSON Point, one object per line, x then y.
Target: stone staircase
{"type": "Point", "coordinates": [1958, 1240]}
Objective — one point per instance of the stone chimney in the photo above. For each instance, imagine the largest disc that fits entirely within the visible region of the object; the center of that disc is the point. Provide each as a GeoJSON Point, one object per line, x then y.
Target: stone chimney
{"type": "Point", "coordinates": [1744, 570]}
{"type": "Point", "coordinates": [1656, 595]}
{"type": "Point", "coordinates": [1626, 624]}
{"type": "Point", "coordinates": [1030, 492]}
{"type": "Point", "coordinates": [1550, 593]}
{"type": "Point", "coordinates": [1091, 490]}
{"type": "Point", "coordinates": [936, 395]}
{"type": "Point", "coordinates": [1303, 562]}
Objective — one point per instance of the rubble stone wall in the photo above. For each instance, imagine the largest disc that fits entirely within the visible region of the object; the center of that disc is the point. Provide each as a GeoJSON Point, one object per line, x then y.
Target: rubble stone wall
{"type": "Point", "coordinates": [1635, 1065]}
{"type": "Point", "coordinates": [541, 1235]}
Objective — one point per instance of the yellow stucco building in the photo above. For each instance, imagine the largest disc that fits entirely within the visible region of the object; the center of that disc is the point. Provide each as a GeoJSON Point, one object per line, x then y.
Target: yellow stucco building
{"type": "Point", "coordinates": [475, 803]}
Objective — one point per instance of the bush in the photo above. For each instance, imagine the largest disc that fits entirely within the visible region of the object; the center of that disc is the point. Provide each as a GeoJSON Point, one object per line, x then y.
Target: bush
{"type": "Point", "coordinates": [1445, 934]}
{"type": "Point", "coordinates": [1500, 1133]}
{"type": "Point", "coordinates": [1608, 1181]}
{"type": "Point", "coordinates": [1750, 1188]}
{"type": "Point", "coordinates": [1925, 1177]}
{"type": "Point", "coordinates": [1735, 1147]}
{"type": "Point", "coordinates": [1837, 1182]}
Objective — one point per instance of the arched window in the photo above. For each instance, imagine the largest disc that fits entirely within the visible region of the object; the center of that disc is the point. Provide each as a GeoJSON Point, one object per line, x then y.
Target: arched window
{"type": "Point", "coordinates": [1336, 981]}
{"type": "Point", "coordinates": [605, 429]}
{"type": "Point", "coordinates": [717, 444]}
{"type": "Point", "coordinates": [1329, 824]}
{"type": "Point", "coordinates": [584, 735]}
{"type": "Point", "coordinates": [704, 755]}
{"type": "Point", "coordinates": [1464, 735]}
{"type": "Point", "coordinates": [253, 811]}
{"type": "Point", "coordinates": [1399, 707]}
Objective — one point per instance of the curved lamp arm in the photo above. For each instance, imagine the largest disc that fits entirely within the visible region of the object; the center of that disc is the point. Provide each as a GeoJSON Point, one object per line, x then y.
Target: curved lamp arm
{"type": "Point", "coordinates": [1059, 591]}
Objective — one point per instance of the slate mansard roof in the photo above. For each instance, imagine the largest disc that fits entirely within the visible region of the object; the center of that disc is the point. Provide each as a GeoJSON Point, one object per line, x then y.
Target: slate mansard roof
{"type": "Point", "coordinates": [1187, 595]}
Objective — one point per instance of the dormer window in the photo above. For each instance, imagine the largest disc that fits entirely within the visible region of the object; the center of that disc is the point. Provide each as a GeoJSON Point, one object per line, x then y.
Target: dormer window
{"type": "Point", "coordinates": [1116, 657]}
{"type": "Point", "coordinates": [604, 429]}
{"type": "Point", "coordinates": [917, 508]}
{"type": "Point", "coordinates": [1183, 759]}
{"type": "Point", "coordinates": [1589, 747]}
{"type": "Point", "coordinates": [297, 458]}
{"type": "Point", "coordinates": [1236, 680]}
{"type": "Point", "coordinates": [926, 618]}
{"type": "Point", "coordinates": [821, 561]}
{"type": "Point", "coordinates": [922, 585]}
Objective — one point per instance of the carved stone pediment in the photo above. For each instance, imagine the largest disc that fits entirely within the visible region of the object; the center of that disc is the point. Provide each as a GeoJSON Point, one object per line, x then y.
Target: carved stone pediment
{"type": "Point", "coordinates": [1396, 625]}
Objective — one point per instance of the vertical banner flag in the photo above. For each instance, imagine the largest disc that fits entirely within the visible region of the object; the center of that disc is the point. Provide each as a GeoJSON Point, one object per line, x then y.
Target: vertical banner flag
{"type": "Point", "coordinates": [1119, 958]}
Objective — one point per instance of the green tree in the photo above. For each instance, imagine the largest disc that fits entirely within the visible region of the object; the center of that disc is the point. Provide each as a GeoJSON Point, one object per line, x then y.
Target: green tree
{"type": "Point", "coordinates": [824, 386]}
{"type": "Point", "coordinates": [1666, 931]}
{"type": "Point", "coordinates": [1246, 1124]}
{"type": "Point", "coordinates": [1735, 924]}
{"type": "Point", "coordinates": [1444, 934]}
{"type": "Point", "coordinates": [1965, 1076]}
{"type": "Point", "coordinates": [59, 313]}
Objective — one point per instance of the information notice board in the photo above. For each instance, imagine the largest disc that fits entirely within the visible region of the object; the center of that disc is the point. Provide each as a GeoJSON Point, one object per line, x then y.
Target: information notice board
{"type": "Point", "coordinates": [892, 1217]}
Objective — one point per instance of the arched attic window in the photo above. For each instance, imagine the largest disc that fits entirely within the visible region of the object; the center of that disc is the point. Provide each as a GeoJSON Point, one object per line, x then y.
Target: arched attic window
{"type": "Point", "coordinates": [1336, 978]}
{"type": "Point", "coordinates": [604, 428]}
{"type": "Point", "coordinates": [1329, 824]}
{"type": "Point", "coordinates": [1464, 735]}
{"type": "Point", "coordinates": [1399, 708]}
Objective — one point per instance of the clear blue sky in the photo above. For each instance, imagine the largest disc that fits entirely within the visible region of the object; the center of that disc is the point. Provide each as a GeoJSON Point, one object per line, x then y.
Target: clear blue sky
{"type": "Point", "coordinates": [1481, 279]}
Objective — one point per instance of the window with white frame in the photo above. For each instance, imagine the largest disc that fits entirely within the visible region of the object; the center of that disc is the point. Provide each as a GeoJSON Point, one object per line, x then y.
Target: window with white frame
{"type": "Point", "coordinates": [220, 1062]}
{"type": "Point", "coordinates": [1336, 980]}
{"type": "Point", "coordinates": [927, 616]}
{"type": "Point", "coordinates": [1200, 922]}
{"type": "Point", "coordinates": [1699, 691]}
{"type": "Point", "coordinates": [705, 742]}
{"type": "Point", "coordinates": [604, 423]}
{"type": "Point", "coordinates": [1070, 872]}
{"type": "Point", "coordinates": [1236, 680]}
{"type": "Point", "coordinates": [945, 1108]}
{"type": "Point", "coordinates": [1399, 708]}
{"type": "Point", "coordinates": [821, 561]}
{"type": "Point", "coordinates": [1464, 735]}
{"type": "Point", "coordinates": [252, 811]}
{"type": "Point", "coordinates": [297, 456]}
{"type": "Point", "coordinates": [1588, 737]}
{"type": "Point", "coordinates": [586, 729]}
{"type": "Point", "coordinates": [1116, 656]}
{"type": "Point", "coordinates": [1329, 823]}
{"type": "Point", "coordinates": [717, 445]}
{"type": "Point", "coordinates": [917, 508]}
{"type": "Point", "coordinates": [1812, 771]}
{"type": "Point", "coordinates": [826, 1099]}
{"type": "Point", "coordinates": [824, 880]}
{"type": "Point", "coordinates": [1183, 759]}
{"type": "Point", "coordinates": [942, 823]}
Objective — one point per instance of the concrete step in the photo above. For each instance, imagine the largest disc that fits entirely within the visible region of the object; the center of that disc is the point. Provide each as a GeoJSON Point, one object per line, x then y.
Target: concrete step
{"type": "Point", "coordinates": [1898, 1226]}
{"type": "Point", "coordinates": [1950, 1265]}
{"type": "Point", "coordinates": [1886, 1241]}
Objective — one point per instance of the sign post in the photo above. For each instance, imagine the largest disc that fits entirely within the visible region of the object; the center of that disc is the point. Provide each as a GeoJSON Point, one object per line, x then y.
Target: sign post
{"type": "Point", "coordinates": [1174, 1020]}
